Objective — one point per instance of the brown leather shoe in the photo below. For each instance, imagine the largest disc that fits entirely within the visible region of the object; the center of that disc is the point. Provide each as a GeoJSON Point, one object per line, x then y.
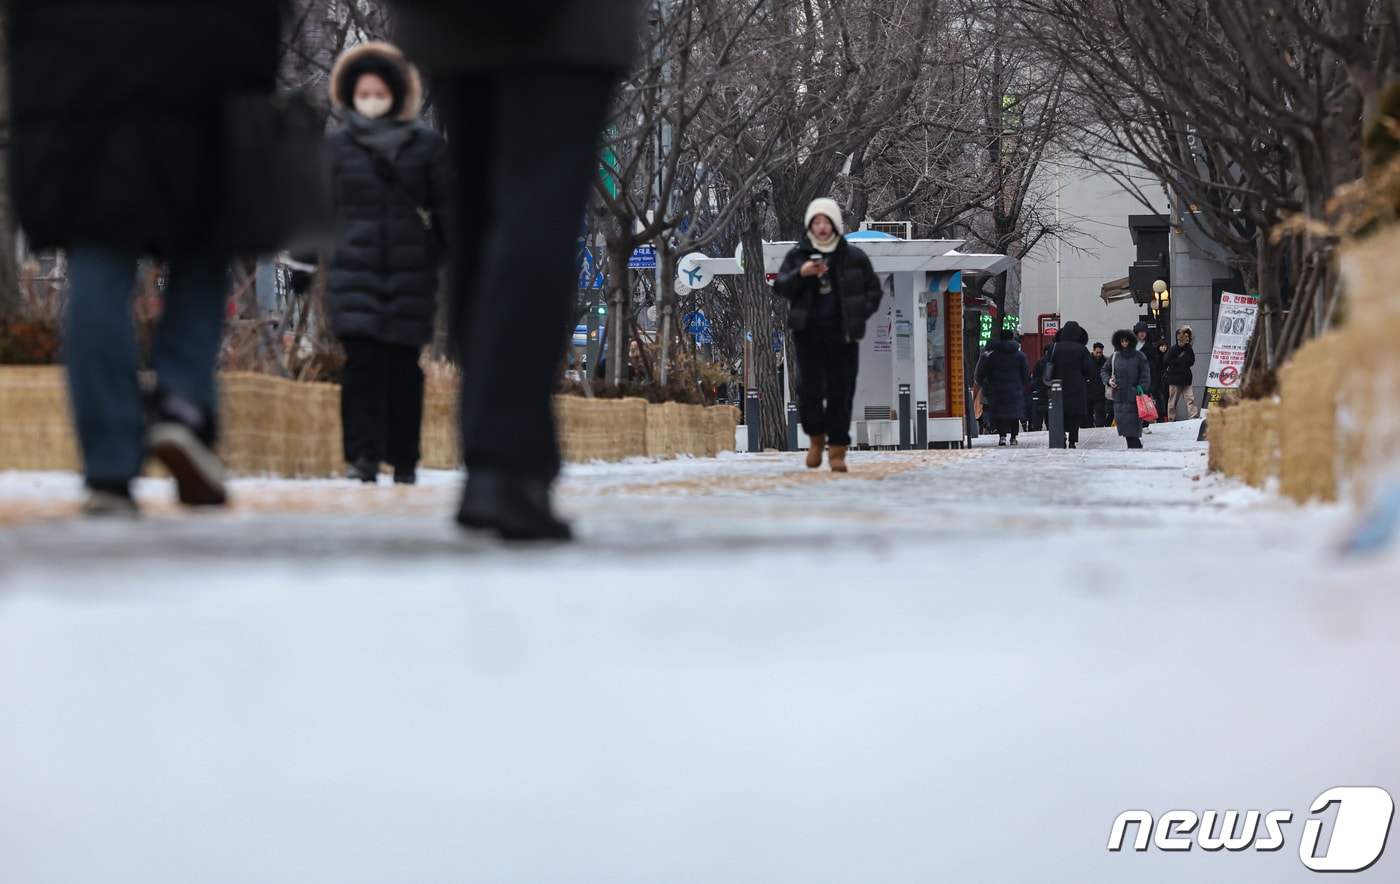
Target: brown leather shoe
{"type": "Point", "coordinates": [838, 458]}
{"type": "Point", "coordinates": [814, 452]}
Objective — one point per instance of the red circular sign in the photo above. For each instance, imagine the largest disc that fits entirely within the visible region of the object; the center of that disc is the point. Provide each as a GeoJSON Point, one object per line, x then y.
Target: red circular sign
{"type": "Point", "coordinates": [1228, 375]}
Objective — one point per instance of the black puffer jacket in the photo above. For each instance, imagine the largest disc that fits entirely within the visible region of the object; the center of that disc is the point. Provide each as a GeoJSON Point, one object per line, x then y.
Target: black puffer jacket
{"type": "Point", "coordinates": [383, 276]}
{"type": "Point", "coordinates": [1074, 367]}
{"type": "Point", "coordinates": [1005, 371]}
{"type": "Point", "coordinates": [1180, 358]}
{"type": "Point", "coordinates": [116, 114]}
{"type": "Point", "coordinates": [857, 288]}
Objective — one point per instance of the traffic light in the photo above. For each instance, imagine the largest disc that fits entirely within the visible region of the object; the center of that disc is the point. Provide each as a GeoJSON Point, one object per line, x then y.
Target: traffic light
{"type": "Point", "coordinates": [602, 309]}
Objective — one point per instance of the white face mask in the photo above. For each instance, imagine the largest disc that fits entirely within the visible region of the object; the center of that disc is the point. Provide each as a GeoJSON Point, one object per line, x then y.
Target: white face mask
{"type": "Point", "coordinates": [374, 108]}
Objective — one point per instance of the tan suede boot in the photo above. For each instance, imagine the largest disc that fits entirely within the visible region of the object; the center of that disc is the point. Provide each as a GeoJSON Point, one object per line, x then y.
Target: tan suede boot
{"type": "Point", "coordinates": [814, 452]}
{"type": "Point", "coordinates": [838, 458]}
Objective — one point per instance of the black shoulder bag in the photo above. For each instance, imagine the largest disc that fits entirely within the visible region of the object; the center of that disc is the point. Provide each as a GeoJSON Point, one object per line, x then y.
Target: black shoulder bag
{"type": "Point", "coordinates": [386, 172]}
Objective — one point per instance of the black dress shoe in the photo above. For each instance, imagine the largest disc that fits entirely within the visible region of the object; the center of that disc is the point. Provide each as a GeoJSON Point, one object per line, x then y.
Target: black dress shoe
{"type": "Point", "coordinates": [363, 470]}
{"type": "Point", "coordinates": [515, 507]}
{"type": "Point", "coordinates": [405, 477]}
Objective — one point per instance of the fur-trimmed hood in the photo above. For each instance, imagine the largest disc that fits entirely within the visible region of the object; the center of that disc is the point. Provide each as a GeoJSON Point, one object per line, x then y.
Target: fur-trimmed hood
{"type": "Point", "coordinates": [1185, 335]}
{"type": "Point", "coordinates": [365, 58]}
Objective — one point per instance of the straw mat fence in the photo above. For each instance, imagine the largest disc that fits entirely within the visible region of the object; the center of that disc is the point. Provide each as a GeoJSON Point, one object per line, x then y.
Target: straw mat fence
{"type": "Point", "coordinates": [275, 427]}
{"type": "Point", "coordinates": [1334, 428]}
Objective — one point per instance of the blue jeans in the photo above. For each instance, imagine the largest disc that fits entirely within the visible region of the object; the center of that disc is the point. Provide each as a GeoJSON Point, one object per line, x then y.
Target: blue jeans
{"type": "Point", "coordinates": [100, 350]}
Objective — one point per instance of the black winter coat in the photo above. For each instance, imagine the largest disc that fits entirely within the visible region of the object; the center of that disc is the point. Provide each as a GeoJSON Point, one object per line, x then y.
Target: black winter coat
{"type": "Point", "coordinates": [383, 275]}
{"type": "Point", "coordinates": [116, 109]}
{"type": "Point", "coordinates": [857, 288]}
{"type": "Point", "coordinates": [453, 36]}
{"type": "Point", "coordinates": [1074, 366]}
{"type": "Point", "coordinates": [1177, 369]}
{"type": "Point", "coordinates": [1096, 384]}
{"type": "Point", "coordinates": [1004, 372]}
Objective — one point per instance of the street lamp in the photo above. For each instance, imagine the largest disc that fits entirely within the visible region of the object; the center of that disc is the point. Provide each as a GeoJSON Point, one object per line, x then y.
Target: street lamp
{"type": "Point", "coordinates": [1161, 298]}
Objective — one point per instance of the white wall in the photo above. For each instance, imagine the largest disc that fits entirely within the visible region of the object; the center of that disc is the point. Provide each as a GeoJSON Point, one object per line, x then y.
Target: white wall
{"type": "Point", "coordinates": [1101, 251]}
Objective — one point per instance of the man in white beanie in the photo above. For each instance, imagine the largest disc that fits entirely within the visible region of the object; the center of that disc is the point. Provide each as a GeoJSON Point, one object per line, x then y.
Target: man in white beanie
{"type": "Point", "coordinates": [833, 290]}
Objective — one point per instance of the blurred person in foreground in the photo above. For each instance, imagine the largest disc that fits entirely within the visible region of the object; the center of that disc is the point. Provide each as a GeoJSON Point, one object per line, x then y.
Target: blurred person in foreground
{"type": "Point", "coordinates": [525, 88]}
{"type": "Point", "coordinates": [834, 291]}
{"type": "Point", "coordinates": [117, 126]}
{"type": "Point", "coordinates": [393, 185]}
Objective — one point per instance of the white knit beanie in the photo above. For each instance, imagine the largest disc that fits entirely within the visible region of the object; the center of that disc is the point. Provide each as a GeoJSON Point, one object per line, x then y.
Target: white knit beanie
{"type": "Point", "coordinates": [825, 206]}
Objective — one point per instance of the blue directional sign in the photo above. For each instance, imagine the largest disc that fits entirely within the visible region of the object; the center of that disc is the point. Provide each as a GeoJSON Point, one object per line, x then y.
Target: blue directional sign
{"type": "Point", "coordinates": [644, 258]}
{"type": "Point", "coordinates": [698, 327]}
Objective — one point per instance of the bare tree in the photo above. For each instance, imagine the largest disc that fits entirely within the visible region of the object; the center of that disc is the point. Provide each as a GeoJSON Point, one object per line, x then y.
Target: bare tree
{"type": "Point", "coordinates": [1247, 111]}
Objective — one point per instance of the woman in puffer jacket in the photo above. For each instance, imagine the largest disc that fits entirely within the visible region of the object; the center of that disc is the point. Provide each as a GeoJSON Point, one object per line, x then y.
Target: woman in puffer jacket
{"type": "Point", "coordinates": [834, 291]}
{"type": "Point", "coordinates": [1126, 372]}
{"type": "Point", "coordinates": [393, 180]}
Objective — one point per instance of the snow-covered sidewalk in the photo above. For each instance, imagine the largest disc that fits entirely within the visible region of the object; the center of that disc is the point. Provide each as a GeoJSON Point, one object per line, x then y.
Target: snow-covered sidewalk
{"type": "Point", "coordinates": [946, 666]}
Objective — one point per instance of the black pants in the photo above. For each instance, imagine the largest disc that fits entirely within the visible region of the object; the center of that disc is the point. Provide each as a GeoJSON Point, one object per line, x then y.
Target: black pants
{"type": "Point", "coordinates": [1073, 421]}
{"type": "Point", "coordinates": [826, 380]}
{"type": "Point", "coordinates": [1008, 426]}
{"type": "Point", "coordinates": [381, 403]}
{"type": "Point", "coordinates": [525, 144]}
{"type": "Point", "coordinates": [1103, 409]}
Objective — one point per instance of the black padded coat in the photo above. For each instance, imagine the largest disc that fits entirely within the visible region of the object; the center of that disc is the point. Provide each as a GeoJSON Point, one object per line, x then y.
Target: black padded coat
{"type": "Point", "coordinates": [116, 114]}
{"type": "Point", "coordinates": [383, 275]}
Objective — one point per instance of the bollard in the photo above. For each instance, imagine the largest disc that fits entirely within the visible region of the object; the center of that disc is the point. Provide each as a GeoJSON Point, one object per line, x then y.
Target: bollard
{"type": "Point", "coordinates": [792, 426]}
{"type": "Point", "coordinates": [1055, 415]}
{"type": "Point", "coordinates": [921, 424]}
{"type": "Point", "coordinates": [752, 419]}
{"type": "Point", "coordinates": [970, 418]}
{"type": "Point", "coordinates": [905, 414]}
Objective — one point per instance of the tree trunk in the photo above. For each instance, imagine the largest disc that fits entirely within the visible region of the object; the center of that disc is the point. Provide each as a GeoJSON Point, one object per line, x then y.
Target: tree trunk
{"type": "Point", "coordinates": [756, 303]}
{"type": "Point", "coordinates": [9, 267]}
{"type": "Point", "coordinates": [619, 296]}
{"type": "Point", "coordinates": [666, 302]}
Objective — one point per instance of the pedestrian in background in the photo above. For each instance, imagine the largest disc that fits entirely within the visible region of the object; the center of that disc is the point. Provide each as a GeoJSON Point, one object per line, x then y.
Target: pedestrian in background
{"type": "Point", "coordinates": [1177, 372]}
{"type": "Point", "coordinates": [114, 155]}
{"type": "Point", "coordinates": [1073, 367]}
{"type": "Point", "coordinates": [1006, 371]}
{"type": "Point", "coordinates": [525, 88]}
{"type": "Point", "coordinates": [1127, 371]}
{"type": "Point", "coordinates": [1097, 403]}
{"type": "Point", "coordinates": [1039, 394]}
{"type": "Point", "coordinates": [834, 291]}
{"type": "Point", "coordinates": [393, 185]}
{"type": "Point", "coordinates": [1147, 345]}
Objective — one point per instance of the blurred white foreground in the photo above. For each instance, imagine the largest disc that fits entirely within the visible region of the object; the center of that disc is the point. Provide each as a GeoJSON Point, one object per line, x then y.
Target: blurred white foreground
{"type": "Point", "coordinates": [960, 672]}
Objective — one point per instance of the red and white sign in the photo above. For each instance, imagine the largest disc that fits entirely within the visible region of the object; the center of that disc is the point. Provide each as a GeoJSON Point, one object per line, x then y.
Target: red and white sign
{"type": "Point", "coordinates": [1232, 335]}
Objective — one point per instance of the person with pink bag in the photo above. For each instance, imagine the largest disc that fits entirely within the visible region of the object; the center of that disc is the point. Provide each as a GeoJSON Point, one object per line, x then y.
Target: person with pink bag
{"type": "Point", "coordinates": [1126, 374]}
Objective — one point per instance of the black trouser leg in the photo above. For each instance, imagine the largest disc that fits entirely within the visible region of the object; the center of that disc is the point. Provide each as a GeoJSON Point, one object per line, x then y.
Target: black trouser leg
{"type": "Point", "coordinates": [525, 143]}
{"type": "Point", "coordinates": [405, 407]}
{"type": "Point", "coordinates": [363, 398]}
{"type": "Point", "coordinates": [811, 383]}
{"type": "Point", "coordinates": [842, 366]}
{"type": "Point", "coordinates": [1072, 424]}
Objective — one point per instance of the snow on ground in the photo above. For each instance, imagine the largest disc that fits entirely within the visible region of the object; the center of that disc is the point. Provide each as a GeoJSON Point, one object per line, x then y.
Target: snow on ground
{"type": "Point", "coordinates": [947, 666]}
